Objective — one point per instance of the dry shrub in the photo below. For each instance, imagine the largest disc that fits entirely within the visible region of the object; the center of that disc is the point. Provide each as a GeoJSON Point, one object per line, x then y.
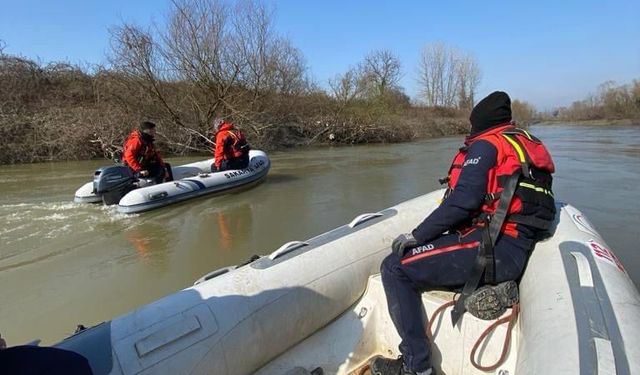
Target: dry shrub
{"type": "Point", "coordinates": [214, 58]}
{"type": "Point", "coordinates": [612, 102]}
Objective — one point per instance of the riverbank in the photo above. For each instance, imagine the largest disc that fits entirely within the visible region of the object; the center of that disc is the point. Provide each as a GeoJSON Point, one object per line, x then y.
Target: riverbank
{"type": "Point", "coordinates": [58, 111]}
{"type": "Point", "coordinates": [31, 138]}
{"type": "Point", "coordinates": [417, 124]}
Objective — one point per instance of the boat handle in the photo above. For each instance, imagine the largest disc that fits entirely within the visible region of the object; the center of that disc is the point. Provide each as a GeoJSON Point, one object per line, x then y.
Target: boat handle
{"type": "Point", "coordinates": [362, 218]}
{"type": "Point", "coordinates": [286, 248]}
{"type": "Point", "coordinates": [216, 273]}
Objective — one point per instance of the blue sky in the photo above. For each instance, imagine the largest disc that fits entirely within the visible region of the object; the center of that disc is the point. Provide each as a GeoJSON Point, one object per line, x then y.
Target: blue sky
{"type": "Point", "coordinates": [548, 53]}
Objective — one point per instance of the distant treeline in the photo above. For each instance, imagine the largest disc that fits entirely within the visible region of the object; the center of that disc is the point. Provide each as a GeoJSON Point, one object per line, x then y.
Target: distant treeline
{"type": "Point", "coordinates": [217, 58]}
{"type": "Point", "coordinates": [611, 102]}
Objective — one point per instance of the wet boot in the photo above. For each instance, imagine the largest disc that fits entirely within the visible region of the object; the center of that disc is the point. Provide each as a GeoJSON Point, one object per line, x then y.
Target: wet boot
{"type": "Point", "coordinates": [379, 365]}
{"type": "Point", "coordinates": [491, 301]}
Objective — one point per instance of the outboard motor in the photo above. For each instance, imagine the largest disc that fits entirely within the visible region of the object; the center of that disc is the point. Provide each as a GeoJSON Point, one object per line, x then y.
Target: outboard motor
{"type": "Point", "coordinates": [113, 182]}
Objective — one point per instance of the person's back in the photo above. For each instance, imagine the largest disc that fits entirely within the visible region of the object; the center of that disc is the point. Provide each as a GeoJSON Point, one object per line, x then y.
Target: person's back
{"type": "Point", "coordinates": [231, 150]}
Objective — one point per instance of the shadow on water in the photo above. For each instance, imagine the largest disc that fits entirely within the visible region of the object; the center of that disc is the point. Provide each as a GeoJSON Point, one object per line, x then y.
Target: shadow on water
{"type": "Point", "coordinates": [281, 178]}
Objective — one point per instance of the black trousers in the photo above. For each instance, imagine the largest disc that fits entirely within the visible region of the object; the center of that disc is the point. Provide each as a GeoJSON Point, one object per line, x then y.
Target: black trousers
{"type": "Point", "coordinates": [236, 163]}
{"type": "Point", "coordinates": [157, 172]}
{"type": "Point", "coordinates": [445, 262]}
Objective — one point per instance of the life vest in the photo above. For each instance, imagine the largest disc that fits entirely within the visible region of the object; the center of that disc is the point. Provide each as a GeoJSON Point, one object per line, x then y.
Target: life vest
{"type": "Point", "coordinates": [519, 155]}
{"type": "Point", "coordinates": [239, 147]}
{"type": "Point", "coordinates": [230, 144]}
{"type": "Point", "coordinates": [144, 156]}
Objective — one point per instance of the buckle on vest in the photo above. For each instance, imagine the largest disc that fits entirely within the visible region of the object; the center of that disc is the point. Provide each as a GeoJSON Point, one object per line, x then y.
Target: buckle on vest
{"type": "Point", "coordinates": [490, 197]}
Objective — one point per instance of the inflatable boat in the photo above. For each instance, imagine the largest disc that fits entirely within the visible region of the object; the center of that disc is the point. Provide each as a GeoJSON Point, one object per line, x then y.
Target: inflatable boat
{"type": "Point", "coordinates": [117, 185]}
{"type": "Point", "coordinates": [317, 307]}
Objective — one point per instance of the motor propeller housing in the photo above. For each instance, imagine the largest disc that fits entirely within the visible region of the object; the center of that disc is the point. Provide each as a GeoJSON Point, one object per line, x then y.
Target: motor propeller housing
{"type": "Point", "coordinates": [113, 182]}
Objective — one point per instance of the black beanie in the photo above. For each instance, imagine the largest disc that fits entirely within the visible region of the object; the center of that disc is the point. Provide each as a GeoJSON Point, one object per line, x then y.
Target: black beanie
{"type": "Point", "coordinates": [144, 125]}
{"type": "Point", "coordinates": [493, 110]}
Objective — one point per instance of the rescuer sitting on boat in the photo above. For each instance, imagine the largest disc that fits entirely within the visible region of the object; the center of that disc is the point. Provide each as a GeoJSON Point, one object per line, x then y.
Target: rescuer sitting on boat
{"type": "Point", "coordinates": [498, 203]}
{"type": "Point", "coordinates": [231, 150]}
{"type": "Point", "coordinates": [141, 156]}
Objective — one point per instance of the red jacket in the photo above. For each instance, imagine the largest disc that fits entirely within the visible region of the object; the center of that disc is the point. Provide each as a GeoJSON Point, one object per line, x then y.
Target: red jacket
{"type": "Point", "coordinates": [140, 152]}
{"type": "Point", "coordinates": [515, 147]}
{"type": "Point", "coordinates": [228, 142]}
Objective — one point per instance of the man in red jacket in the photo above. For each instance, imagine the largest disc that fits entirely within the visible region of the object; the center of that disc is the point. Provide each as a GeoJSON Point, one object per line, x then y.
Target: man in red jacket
{"type": "Point", "coordinates": [231, 148]}
{"type": "Point", "coordinates": [141, 156]}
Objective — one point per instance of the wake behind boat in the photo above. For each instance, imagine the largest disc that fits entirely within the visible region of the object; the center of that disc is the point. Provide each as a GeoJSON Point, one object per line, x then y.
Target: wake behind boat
{"type": "Point", "coordinates": [117, 185]}
{"type": "Point", "coordinates": [283, 314]}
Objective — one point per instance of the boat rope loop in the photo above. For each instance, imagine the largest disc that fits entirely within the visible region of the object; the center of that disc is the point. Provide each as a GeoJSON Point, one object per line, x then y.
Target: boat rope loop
{"type": "Point", "coordinates": [438, 311]}
{"type": "Point", "coordinates": [507, 340]}
{"type": "Point", "coordinates": [511, 319]}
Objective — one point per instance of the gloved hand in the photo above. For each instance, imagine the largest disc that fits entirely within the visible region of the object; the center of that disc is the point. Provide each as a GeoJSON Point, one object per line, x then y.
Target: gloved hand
{"type": "Point", "coordinates": [402, 243]}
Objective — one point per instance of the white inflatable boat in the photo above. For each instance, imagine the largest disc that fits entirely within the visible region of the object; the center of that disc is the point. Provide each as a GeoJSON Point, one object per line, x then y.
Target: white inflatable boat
{"type": "Point", "coordinates": [116, 184]}
{"type": "Point", "coordinates": [317, 306]}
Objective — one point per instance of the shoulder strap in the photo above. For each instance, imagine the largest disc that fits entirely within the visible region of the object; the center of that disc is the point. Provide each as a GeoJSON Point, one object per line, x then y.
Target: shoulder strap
{"type": "Point", "coordinates": [523, 157]}
{"type": "Point", "coordinates": [523, 133]}
{"type": "Point", "coordinates": [233, 134]}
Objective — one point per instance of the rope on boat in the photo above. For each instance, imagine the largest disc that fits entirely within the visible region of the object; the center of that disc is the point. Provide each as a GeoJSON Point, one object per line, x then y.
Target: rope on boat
{"type": "Point", "coordinates": [507, 340]}
{"type": "Point", "coordinates": [511, 319]}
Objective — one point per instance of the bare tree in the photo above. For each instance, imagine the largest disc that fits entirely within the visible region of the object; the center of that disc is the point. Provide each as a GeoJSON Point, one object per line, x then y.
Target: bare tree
{"type": "Point", "coordinates": [348, 86]}
{"type": "Point", "coordinates": [382, 71]}
{"type": "Point", "coordinates": [213, 58]}
{"type": "Point", "coordinates": [431, 67]}
{"type": "Point", "coordinates": [375, 78]}
{"type": "Point", "coordinates": [610, 102]}
{"type": "Point", "coordinates": [448, 77]}
{"type": "Point", "coordinates": [469, 80]}
{"type": "Point", "coordinates": [523, 113]}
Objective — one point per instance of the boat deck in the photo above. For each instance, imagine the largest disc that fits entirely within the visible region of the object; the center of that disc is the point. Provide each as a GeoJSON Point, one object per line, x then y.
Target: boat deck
{"type": "Point", "coordinates": [366, 330]}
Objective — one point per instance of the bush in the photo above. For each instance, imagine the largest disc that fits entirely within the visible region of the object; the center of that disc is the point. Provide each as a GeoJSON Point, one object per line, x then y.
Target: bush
{"type": "Point", "coordinates": [612, 102]}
